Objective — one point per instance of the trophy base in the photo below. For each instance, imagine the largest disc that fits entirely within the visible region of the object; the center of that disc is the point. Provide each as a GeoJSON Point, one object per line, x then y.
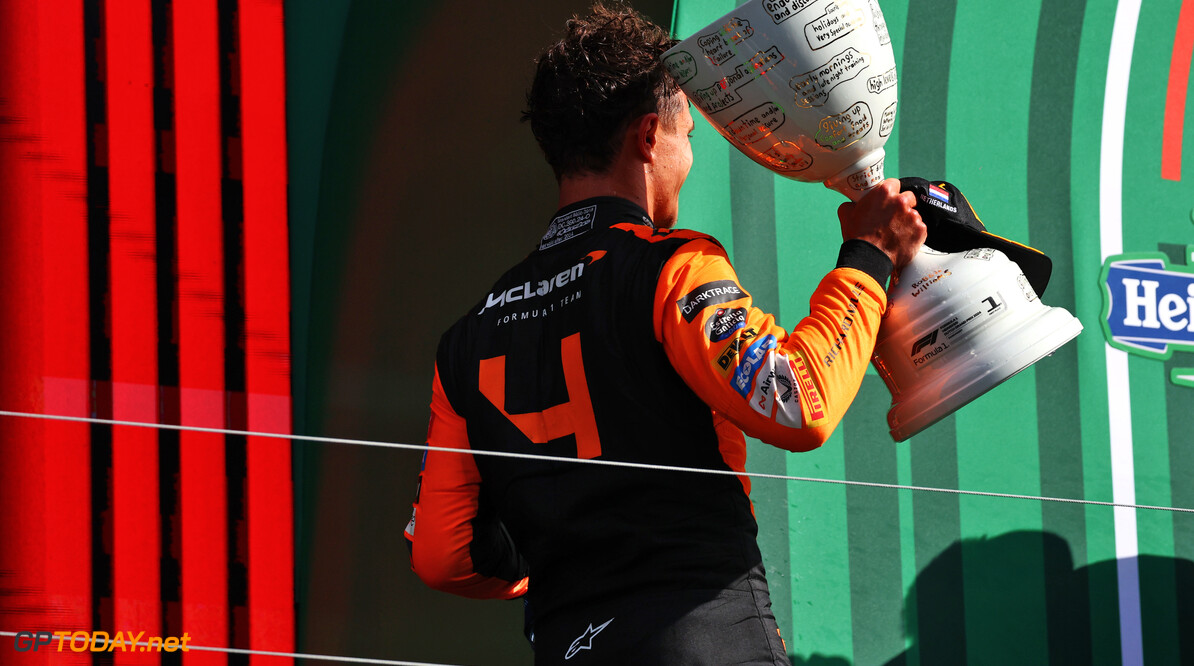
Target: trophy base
{"type": "Point", "coordinates": [1032, 342]}
{"type": "Point", "coordinates": [958, 325]}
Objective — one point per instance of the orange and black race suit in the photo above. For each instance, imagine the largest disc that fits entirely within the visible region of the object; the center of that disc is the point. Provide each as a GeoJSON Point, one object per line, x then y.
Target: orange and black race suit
{"type": "Point", "coordinates": [618, 341]}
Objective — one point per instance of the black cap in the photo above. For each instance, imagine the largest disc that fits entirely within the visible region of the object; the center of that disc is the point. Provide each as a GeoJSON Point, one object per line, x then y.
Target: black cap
{"type": "Point", "coordinates": [954, 227]}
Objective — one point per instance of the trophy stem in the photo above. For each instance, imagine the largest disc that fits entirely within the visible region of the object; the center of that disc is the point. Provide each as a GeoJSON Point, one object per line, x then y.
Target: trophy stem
{"type": "Point", "coordinates": [860, 177]}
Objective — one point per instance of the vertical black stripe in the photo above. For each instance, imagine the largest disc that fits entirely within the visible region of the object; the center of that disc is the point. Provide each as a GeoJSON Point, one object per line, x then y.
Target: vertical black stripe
{"type": "Point", "coordinates": [752, 202]}
{"type": "Point", "coordinates": [166, 209]}
{"type": "Point", "coordinates": [940, 604]}
{"type": "Point", "coordinates": [876, 582]}
{"type": "Point", "coordinates": [1059, 419]}
{"type": "Point", "coordinates": [924, 87]}
{"type": "Point", "coordinates": [100, 351]}
{"type": "Point", "coordinates": [1181, 470]}
{"type": "Point", "coordinates": [232, 198]}
{"type": "Point", "coordinates": [1180, 422]}
{"type": "Point", "coordinates": [924, 97]}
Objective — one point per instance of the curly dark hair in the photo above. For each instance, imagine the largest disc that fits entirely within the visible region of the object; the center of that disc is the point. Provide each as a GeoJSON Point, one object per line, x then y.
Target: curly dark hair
{"type": "Point", "coordinates": [606, 71]}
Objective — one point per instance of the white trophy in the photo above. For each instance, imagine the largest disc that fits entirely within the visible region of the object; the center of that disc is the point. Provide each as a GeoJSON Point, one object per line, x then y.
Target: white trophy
{"type": "Point", "coordinates": [807, 88]}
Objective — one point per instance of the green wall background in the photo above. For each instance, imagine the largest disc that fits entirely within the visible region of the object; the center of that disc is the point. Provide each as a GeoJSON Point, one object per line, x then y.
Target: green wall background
{"type": "Point", "coordinates": [413, 186]}
{"type": "Point", "coordinates": [1008, 105]}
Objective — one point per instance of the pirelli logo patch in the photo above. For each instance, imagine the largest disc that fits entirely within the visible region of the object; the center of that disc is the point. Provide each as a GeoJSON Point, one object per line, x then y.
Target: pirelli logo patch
{"type": "Point", "coordinates": [810, 394]}
{"type": "Point", "coordinates": [710, 293]}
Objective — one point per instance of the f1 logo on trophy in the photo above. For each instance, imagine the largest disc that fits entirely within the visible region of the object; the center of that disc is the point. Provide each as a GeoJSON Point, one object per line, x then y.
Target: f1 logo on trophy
{"type": "Point", "coordinates": [807, 88]}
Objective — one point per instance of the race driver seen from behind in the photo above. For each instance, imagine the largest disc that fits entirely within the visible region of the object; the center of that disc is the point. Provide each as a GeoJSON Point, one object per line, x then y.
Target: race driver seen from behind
{"type": "Point", "coordinates": [621, 339]}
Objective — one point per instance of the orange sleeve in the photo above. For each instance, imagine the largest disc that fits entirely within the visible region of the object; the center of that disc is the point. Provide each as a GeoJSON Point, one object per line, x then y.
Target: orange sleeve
{"type": "Point", "coordinates": [789, 390]}
{"type": "Point", "coordinates": [441, 529]}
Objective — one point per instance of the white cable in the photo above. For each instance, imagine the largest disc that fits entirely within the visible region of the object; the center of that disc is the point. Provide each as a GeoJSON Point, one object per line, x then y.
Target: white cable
{"type": "Point", "coordinates": [264, 653]}
{"type": "Point", "coordinates": [593, 461]}
{"type": "Point", "coordinates": [1123, 475]}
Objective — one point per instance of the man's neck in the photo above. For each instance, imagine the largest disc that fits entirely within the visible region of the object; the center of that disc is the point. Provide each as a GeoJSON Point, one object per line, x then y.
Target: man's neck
{"type": "Point", "coordinates": [612, 184]}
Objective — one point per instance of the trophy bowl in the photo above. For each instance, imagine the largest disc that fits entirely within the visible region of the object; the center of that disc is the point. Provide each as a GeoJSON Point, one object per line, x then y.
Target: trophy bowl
{"type": "Point", "coordinates": [806, 88]}
{"type": "Point", "coordinates": [958, 325]}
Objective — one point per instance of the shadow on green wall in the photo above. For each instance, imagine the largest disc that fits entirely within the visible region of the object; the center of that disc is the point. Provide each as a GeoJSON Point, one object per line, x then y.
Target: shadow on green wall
{"type": "Point", "coordinates": [1080, 625]}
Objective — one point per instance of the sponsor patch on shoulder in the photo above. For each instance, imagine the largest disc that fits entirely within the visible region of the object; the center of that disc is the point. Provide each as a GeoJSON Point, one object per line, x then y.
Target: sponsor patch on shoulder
{"type": "Point", "coordinates": [710, 293]}
{"type": "Point", "coordinates": [811, 400]}
{"type": "Point", "coordinates": [762, 399]}
{"type": "Point", "coordinates": [752, 359]}
{"type": "Point", "coordinates": [787, 394]}
{"type": "Point", "coordinates": [727, 360]}
{"type": "Point", "coordinates": [724, 322]}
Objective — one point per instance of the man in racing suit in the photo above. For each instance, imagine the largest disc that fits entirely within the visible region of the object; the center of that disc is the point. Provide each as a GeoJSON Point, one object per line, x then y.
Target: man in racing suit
{"type": "Point", "coordinates": [621, 339]}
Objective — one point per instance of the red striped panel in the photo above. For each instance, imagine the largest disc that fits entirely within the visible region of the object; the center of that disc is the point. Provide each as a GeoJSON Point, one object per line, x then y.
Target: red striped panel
{"type": "Point", "coordinates": [200, 327]}
{"type": "Point", "coordinates": [133, 313]}
{"type": "Point", "coordinates": [1175, 93]}
{"type": "Point", "coordinates": [267, 326]}
{"type": "Point", "coordinates": [44, 479]}
{"type": "Point", "coordinates": [62, 188]}
{"type": "Point", "coordinates": [23, 472]}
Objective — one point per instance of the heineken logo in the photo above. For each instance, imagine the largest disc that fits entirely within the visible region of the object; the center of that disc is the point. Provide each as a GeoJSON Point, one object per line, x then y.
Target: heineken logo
{"type": "Point", "coordinates": [1148, 308]}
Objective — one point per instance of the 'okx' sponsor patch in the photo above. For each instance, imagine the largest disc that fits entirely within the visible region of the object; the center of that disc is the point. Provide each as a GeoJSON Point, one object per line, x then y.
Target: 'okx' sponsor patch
{"type": "Point", "coordinates": [710, 293]}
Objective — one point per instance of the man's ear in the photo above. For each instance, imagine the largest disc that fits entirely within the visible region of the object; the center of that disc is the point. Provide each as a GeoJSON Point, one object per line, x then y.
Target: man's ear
{"type": "Point", "coordinates": [646, 128]}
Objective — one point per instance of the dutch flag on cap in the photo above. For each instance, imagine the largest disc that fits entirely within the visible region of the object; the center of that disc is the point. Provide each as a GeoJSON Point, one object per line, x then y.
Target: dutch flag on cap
{"type": "Point", "coordinates": [938, 193]}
